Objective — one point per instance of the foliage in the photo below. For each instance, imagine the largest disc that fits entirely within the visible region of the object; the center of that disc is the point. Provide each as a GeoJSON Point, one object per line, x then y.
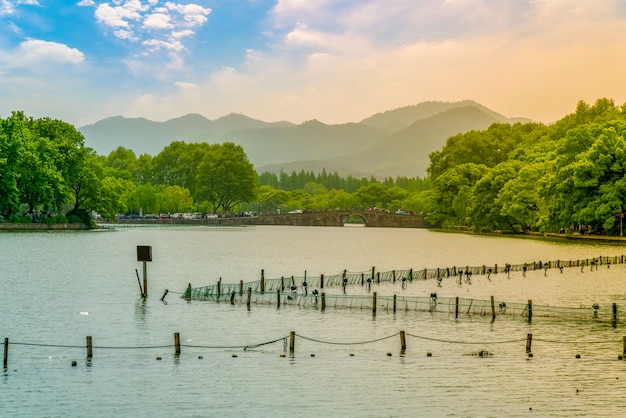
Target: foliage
{"type": "Point", "coordinates": [550, 178]}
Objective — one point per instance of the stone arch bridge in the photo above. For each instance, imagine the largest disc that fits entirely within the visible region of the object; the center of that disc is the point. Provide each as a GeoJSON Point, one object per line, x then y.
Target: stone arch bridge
{"type": "Point", "coordinates": [326, 218]}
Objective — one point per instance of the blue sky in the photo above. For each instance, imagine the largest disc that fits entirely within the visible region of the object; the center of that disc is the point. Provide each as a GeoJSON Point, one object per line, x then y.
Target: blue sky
{"type": "Point", "coordinates": [332, 60]}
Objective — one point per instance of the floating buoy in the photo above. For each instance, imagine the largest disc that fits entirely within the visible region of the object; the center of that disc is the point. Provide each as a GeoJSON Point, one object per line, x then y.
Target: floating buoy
{"type": "Point", "coordinates": [530, 355]}
{"type": "Point", "coordinates": [282, 354]}
{"type": "Point", "coordinates": [351, 355]}
{"type": "Point", "coordinates": [74, 363]}
{"type": "Point", "coordinates": [200, 357]}
{"type": "Point", "coordinates": [429, 354]}
{"type": "Point", "coordinates": [234, 355]}
{"type": "Point", "coordinates": [312, 355]}
{"type": "Point", "coordinates": [577, 355]}
{"type": "Point", "coordinates": [388, 354]}
{"type": "Point", "coordinates": [620, 357]}
{"type": "Point", "coordinates": [158, 358]}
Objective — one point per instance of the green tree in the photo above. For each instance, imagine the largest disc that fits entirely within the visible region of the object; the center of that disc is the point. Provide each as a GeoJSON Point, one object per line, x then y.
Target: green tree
{"type": "Point", "coordinates": [225, 177]}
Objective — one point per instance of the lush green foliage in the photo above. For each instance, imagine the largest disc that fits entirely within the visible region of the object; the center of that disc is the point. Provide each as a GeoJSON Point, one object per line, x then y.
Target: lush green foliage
{"type": "Point", "coordinates": [550, 178]}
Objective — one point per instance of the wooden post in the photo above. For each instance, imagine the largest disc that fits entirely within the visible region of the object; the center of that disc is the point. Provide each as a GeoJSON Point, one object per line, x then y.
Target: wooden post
{"type": "Point", "coordinates": [529, 342]}
{"type": "Point", "coordinates": [323, 301]}
{"type": "Point", "coordinates": [530, 311]}
{"type": "Point", "coordinates": [495, 269]}
{"type": "Point", "coordinates": [321, 281]}
{"type": "Point", "coordinates": [292, 342]}
{"type": "Point", "coordinates": [456, 309]}
{"type": "Point", "coordinates": [493, 310]}
{"type": "Point", "coordinates": [394, 303]}
{"type": "Point", "coordinates": [145, 279]}
{"type": "Point", "coordinates": [614, 315]}
{"type": "Point", "coordinates": [278, 298]}
{"type": "Point", "coordinates": [232, 297]}
{"type": "Point", "coordinates": [402, 342]}
{"type": "Point", "coordinates": [6, 352]}
{"type": "Point", "coordinates": [176, 344]}
{"type": "Point", "coordinates": [164, 294]}
{"type": "Point", "coordinates": [219, 289]}
{"type": "Point", "coordinates": [378, 277]}
{"type": "Point", "coordinates": [362, 279]}
{"type": "Point", "coordinates": [89, 348]}
{"type": "Point", "coordinates": [240, 287]}
{"type": "Point", "coordinates": [282, 283]}
{"type": "Point", "coordinates": [374, 303]}
{"type": "Point", "coordinates": [249, 297]}
{"type": "Point", "coordinates": [393, 272]}
{"type": "Point", "coordinates": [187, 294]}
{"type": "Point", "coordinates": [262, 281]}
{"type": "Point", "coordinates": [623, 348]}
{"type": "Point", "coordinates": [411, 275]}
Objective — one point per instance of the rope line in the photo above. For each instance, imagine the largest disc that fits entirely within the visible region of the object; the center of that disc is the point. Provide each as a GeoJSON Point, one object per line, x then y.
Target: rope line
{"type": "Point", "coordinates": [100, 347]}
{"type": "Point", "coordinates": [244, 347]}
{"type": "Point", "coordinates": [571, 342]}
{"type": "Point", "coordinates": [353, 343]}
{"type": "Point", "coordinates": [465, 342]}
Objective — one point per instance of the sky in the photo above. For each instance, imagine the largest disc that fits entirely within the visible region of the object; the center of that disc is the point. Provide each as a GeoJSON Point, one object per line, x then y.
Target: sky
{"type": "Point", "coordinates": [336, 61]}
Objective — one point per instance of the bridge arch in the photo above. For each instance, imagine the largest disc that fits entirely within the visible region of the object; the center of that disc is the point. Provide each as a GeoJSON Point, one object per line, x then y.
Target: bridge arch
{"type": "Point", "coordinates": [359, 215]}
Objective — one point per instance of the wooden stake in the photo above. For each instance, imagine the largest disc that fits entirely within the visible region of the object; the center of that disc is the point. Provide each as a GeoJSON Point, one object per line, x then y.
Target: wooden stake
{"type": "Point", "coordinates": [292, 342]}
{"type": "Point", "coordinates": [456, 309]}
{"type": "Point", "coordinates": [164, 294]}
{"type": "Point", "coordinates": [6, 352]}
{"type": "Point", "coordinates": [614, 315]}
{"type": "Point", "coordinates": [145, 279]}
{"type": "Point", "coordinates": [530, 311]}
{"type": "Point", "coordinates": [402, 342]}
{"type": "Point", "coordinates": [176, 344]}
{"type": "Point", "coordinates": [323, 301]}
{"type": "Point", "coordinates": [240, 287]}
{"type": "Point", "coordinates": [493, 310]}
{"type": "Point", "coordinates": [374, 303]}
{"type": "Point", "coordinates": [321, 281]}
{"type": "Point", "coordinates": [529, 343]}
{"type": "Point", "coordinates": [394, 303]}
{"type": "Point", "coordinates": [262, 281]}
{"type": "Point", "coordinates": [232, 297]}
{"type": "Point", "coordinates": [89, 348]}
{"type": "Point", "coordinates": [278, 298]}
{"type": "Point", "coordinates": [249, 297]}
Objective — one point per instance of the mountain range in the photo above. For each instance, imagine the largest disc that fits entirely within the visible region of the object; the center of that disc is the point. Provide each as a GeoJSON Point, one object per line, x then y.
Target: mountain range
{"type": "Point", "coordinates": [388, 144]}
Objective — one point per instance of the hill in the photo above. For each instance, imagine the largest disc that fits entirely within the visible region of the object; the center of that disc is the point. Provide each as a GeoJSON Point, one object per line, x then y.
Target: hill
{"type": "Point", "coordinates": [392, 143]}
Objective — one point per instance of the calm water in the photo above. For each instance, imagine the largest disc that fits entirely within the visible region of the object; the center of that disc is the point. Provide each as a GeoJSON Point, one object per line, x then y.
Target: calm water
{"type": "Point", "coordinates": [58, 288]}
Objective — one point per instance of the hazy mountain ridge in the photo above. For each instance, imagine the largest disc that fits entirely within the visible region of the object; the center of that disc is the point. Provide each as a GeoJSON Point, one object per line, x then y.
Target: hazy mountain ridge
{"type": "Point", "coordinates": [392, 143]}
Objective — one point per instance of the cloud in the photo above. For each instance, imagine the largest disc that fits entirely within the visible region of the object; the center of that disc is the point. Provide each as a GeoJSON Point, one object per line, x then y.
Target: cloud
{"type": "Point", "coordinates": [157, 21]}
{"type": "Point", "coordinates": [185, 85]}
{"type": "Point", "coordinates": [34, 51]}
{"type": "Point", "coordinates": [86, 3]}
{"type": "Point", "coordinates": [119, 16]}
{"type": "Point", "coordinates": [8, 7]}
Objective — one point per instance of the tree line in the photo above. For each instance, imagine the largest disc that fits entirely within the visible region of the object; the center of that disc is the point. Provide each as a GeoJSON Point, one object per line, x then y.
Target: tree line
{"type": "Point", "coordinates": [567, 175]}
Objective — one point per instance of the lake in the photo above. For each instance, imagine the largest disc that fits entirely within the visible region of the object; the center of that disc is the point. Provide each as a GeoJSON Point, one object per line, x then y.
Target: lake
{"type": "Point", "coordinates": [57, 288]}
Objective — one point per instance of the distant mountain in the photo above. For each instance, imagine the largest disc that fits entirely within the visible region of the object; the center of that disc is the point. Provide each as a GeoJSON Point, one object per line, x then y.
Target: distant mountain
{"type": "Point", "coordinates": [406, 151]}
{"type": "Point", "coordinates": [148, 137]}
{"type": "Point", "coordinates": [388, 144]}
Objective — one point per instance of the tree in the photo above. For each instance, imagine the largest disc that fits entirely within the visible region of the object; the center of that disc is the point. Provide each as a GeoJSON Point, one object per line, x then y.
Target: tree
{"type": "Point", "coordinates": [225, 177]}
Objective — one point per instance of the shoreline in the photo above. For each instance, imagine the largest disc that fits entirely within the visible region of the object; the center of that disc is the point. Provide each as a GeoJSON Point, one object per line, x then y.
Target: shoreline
{"type": "Point", "coordinates": [42, 227]}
